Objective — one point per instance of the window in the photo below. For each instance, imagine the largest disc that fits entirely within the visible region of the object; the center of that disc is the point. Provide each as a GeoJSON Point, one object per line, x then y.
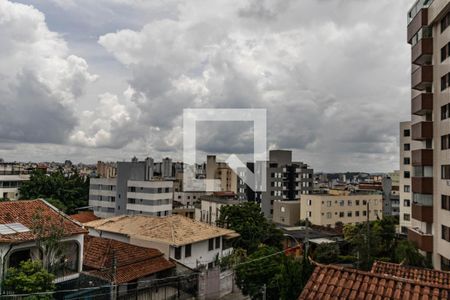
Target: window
{"type": "Point", "coordinates": [349, 214]}
{"type": "Point", "coordinates": [445, 264]}
{"type": "Point", "coordinates": [406, 217]}
{"type": "Point", "coordinates": [328, 203]}
{"type": "Point", "coordinates": [341, 214]}
{"type": "Point", "coordinates": [406, 160]}
{"type": "Point", "coordinates": [357, 213]}
{"type": "Point", "coordinates": [445, 172]}
{"type": "Point", "coordinates": [309, 202]}
{"type": "Point", "coordinates": [406, 132]}
{"type": "Point", "coordinates": [341, 202]}
{"type": "Point", "coordinates": [364, 213]}
{"type": "Point", "coordinates": [178, 253]}
{"type": "Point", "coordinates": [210, 244]}
{"type": "Point", "coordinates": [445, 142]}
{"type": "Point", "coordinates": [328, 215]}
{"type": "Point", "coordinates": [443, 53]}
{"type": "Point", "coordinates": [407, 203]}
{"type": "Point", "coordinates": [349, 202]}
{"type": "Point", "coordinates": [364, 202]}
{"type": "Point", "coordinates": [357, 202]}
{"type": "Point", "coordinates": [187, 250]}
{"type": "Point", "coordinates": [406, 174]}
{"type": "Point", "coordinates": [406, 147]}
{"type": "Point", "coordinates": [445, 202]}
{"type": "Point", "coordinates": [406, 188]}
{"type": "Point", "coordinates": [445, 233]}
{"type": "Point", "coordinates": [445, 22]}
{"type": "Point", "coordinates": [218, 242]}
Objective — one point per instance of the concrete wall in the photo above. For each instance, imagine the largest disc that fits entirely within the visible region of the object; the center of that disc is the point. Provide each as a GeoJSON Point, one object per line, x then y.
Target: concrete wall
{"type": "Point", "coordinates": [286, 212]}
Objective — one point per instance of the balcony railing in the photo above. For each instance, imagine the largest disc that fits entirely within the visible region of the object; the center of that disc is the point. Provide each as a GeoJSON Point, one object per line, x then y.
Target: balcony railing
{"type": "Point", "coordinates": [422, 78]}
{"type": "Point", "coordinates": [422, 157]}
{"type": "Point", "coordinates": [422, 240]}
{"type": "Point", "coordinates": [417, 22]}
{"type": "Point", "coordinates": [422, 185]}
{"type": "Point", "coordinates": [422, 52]}
{"type": "Point", "coordinates": [422, 131]}
{"type": "Point", "coordinates": [423, 213]}
{"type": "Point", "coordinates": [422, 104]}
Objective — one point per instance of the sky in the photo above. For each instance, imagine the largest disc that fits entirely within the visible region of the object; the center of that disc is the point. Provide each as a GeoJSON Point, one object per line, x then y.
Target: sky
{"type": "Point", "coordinates": [108, 79]}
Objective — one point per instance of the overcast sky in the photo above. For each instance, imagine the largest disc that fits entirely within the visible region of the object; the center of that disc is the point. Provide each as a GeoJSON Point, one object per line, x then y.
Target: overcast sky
{"type": "Point", "coordinates": [108, 79]}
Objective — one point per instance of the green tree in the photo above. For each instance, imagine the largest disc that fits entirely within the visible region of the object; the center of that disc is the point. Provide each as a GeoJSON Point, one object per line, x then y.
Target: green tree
{"type": "Point", "coordinates": [30, 277]}
{"type": "Point", "coordinates": [408, 254]}
{"type": "Point", "coordinates": [327, 253]}
{"type": "Point", "coordinates": [269, 270]}
{"type": "Point", "coordinates": [65, 192]}
{"type": "Point", "coordinates": [254, 229]}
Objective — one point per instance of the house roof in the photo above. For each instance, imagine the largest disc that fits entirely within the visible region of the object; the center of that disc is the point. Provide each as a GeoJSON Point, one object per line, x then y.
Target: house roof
{"type": "Point", "coordinates": [333, 282]}
{"type": "Point", "coordinates": [417, 274]}
{"type": "Point", "coordinates": [132, 262]}
{"type": "Point", "coordinates": [84, 217]}
{"type": "Point", "coordinates": [25, 211]}
{"type": "Point", "coordinates": [174, 230]}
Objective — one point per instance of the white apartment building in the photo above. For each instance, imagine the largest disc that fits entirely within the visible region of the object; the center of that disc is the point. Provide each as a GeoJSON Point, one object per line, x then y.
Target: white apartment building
{"type": "Point", "coordinates": [210, 205]}
{"type": "Point", "coordinates": [10, 184]}
{"type": "Point", "coordinates": [345, 207]}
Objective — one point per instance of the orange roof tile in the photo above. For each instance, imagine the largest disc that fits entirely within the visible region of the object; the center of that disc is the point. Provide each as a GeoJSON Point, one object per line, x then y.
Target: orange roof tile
{"type": "Point", "coordinates": [24, 212]}
{"type": "Point", "coordinates": [132, 261]}
{"type": "Point", "coordinates": [333, 282]}
{"type": "Point", "coordinates": [413, 273]}
{"type": "Point", "coordinates": [84, 216]}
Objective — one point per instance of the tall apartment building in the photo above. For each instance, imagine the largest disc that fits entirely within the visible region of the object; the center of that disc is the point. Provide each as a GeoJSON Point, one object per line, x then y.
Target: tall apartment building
{"type": "Point", "coordinates": [405, 177]}
{"type": "Point", "coordinates": [220, 171]}
{"type": "Point", "coordinates": [428, 33]}
{"type": "Point", "coordinates": [285, 180]}
{"type": "Point", "coordinates": [133, 191]}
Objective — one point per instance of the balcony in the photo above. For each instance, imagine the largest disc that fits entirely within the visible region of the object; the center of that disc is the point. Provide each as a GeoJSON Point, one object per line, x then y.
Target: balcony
{"type": "Point", "coordinates": [422, 104]}
{"type": "Point", "coordinates": [419, 20]}
{"type": "Point", "coordinates": [423, 241]}
{"type": "Point", "coordinates": [422, 157]}
{"type": "Point", "coordinates": [422, 52]}
{"type": "Point", "coordinates": [422, 131]}
{"type": "Point", "coordinates": [423, 213]}
{"type": "Point", "coordinates": [422, 185]}
{"type": "Point", "coordinates": [422, 78]}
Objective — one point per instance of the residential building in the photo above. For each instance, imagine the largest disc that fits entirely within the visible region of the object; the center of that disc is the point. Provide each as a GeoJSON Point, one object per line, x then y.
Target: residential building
{"type": "Point", "coordinates": [133, 191]}
{"type": "Point", "coordinates": [187, 198]}
{"type": "Point", "coordinates": [384, 281]}
{"type": "Point", "coordinates": [18, 241]}
{"type": "Point", "coordinates": [128, 266]}
{"type": "Point", "coordinates": [106, 169]}
{"type": "Point", "coordinates": [190, 243]}
{"type": "Point", "coordinates": [12, 176]}
{"type": "Point", "coordinates": [428, 33]}
{"type": "Point", "coordinates": [391, 200]}
{"type": "Point", "coordinates": [341, 206]}
{"type": "Point", "coordinates": [286, 180]}
{"type": "Point", "coordinates": [210, 205]}
{"type": "Point", "coordinates": [405, 198]}
{"type": "Point", "coordinates": [220, 171]}
{"type": "Point", "coordinates": [286, 212]}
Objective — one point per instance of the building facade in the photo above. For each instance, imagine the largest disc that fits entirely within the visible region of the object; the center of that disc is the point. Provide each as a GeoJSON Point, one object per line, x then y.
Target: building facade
{"type": "Point", "coordinates": [220, 171]}
{"type": "Point", "coordinates": [428, 33]}
{"type": "Point", "coordinates": [344, 207]}
{"type": "Point", "coordinates": [405, 193]}
{"type": "Point", "coordinates": [11, 178]}
{"type": "Point", "coordinates": [286, 213]}
{"type": "Point", "coordinates": [132, 191]}
{"type": "Point", "coordinates": [210, 205]}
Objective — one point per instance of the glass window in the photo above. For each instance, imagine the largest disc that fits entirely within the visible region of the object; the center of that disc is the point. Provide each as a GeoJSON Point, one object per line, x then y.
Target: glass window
{"type": "Point", "coordinates": [187, 250]}
{"type": "Point", "coordinates": [210, 244]}
{"type": "Point", "coordinates": [178, 253]}
{"type": "Point", "coordinates": [218, 242]}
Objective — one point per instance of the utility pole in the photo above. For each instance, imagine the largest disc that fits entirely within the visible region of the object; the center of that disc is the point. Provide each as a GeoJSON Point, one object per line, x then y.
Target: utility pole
{"type": "Point", "coordinates": [368, 235]}
{"type": "Point", "coordinates": [307, 238]}
{"type": "Point", "coordinates": [114, 275]}
{"type": "Point", "coordinates": [264, 291]}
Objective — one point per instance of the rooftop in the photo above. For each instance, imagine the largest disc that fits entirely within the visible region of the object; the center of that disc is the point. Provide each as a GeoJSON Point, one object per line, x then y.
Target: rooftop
{"type": "Point", "coordinates": [132, 262]}
{"type": "Point", "coordinates": [333, 282]}
{"type": "Point", "coordinates": [25, 211]}
{"type": "Point", "coordinates": [84, 216]}
{"type": "Point", "coordinates": [175, 230]}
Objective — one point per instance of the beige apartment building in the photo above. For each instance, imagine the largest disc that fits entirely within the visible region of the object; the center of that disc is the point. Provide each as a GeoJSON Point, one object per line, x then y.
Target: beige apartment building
{"type": "Point", "coordinates": [428, 32]}
{"type": "Point", "coordinates": [226, 178]}
{"type": "Point", "coordinates": [286, 212]}
{"type": "Point", "coordinates": [405, 177]}
{"type": "Point", "coordinates": [342, 206]}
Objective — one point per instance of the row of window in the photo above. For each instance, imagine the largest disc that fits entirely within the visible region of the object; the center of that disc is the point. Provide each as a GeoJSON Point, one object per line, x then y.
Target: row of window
{"type": "Point", "coordinates": [187, 251]}
{"type": "Point", "coordinates": [134, 189]}
{"type": "Point", "coordinates": [149, 202]}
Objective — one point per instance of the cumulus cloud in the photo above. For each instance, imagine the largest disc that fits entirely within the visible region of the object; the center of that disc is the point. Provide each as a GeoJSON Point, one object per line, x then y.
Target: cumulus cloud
{"type": "Point", "coordinates": [40, 80]}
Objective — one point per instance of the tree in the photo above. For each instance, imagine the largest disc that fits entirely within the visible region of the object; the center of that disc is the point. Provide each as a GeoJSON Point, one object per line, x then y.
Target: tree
{"type": "Point", "coordinates": [30, 277]}
{"type": "Point", "coordinates": [269, 270]}
{"type": "Point", "coordinates": [254, 229]}
{"type": "Point", "coordinates": [48, 234]}
{"type": "Point", "coordinates": [327, 253]}
{"type": "Point", "coordinates": [408, 254]}
{"type": "Point", "coordinates": [65, 192]}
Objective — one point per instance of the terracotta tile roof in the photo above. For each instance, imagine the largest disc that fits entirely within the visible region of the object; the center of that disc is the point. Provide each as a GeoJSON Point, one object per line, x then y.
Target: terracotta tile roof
{"type": "Point", "coordinates": [333, 282]}
{"type": "Point", "coordinates": [24, 211]}
{"type": "Point", "coordinates": [417, 274]}
{"type": "Point", "coordinates": [174, 230]}
{"type": "Point", "coordinates": [84, 217]}
{"type": "Point", "coordinates": [133, 262]}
